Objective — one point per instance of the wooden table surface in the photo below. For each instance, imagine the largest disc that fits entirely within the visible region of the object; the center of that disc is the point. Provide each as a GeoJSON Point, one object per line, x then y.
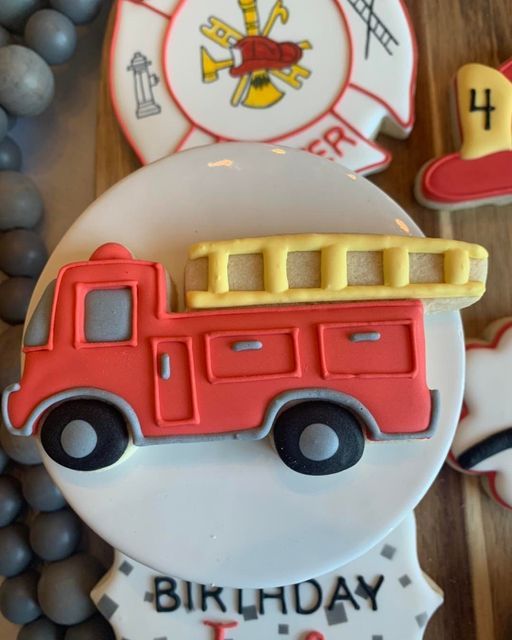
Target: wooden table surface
{"type": "Point", "coordinates": [465, 540]}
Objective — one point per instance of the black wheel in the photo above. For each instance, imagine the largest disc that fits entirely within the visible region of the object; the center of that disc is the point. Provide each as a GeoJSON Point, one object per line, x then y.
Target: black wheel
{"type": "Point", "coordinates": [84, 435]}
{"type": "Point", "coordinates": [318, 438]}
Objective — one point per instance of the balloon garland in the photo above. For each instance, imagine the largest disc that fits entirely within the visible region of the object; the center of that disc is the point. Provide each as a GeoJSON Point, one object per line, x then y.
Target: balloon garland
{"type": "Point", "coordinates": [47, 577]}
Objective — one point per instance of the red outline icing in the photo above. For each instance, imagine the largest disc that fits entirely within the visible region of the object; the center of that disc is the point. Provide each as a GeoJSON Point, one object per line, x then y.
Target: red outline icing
{"type": "Point", "coordinates": [311, 123]}
{"type": "Point", "coordinates": [436, 195]}
{"type": "Point", "coordinates": [489, 475]}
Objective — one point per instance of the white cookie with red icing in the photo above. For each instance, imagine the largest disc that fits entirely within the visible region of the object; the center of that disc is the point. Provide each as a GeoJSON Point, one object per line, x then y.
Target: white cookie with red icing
{"type": "Point", "coordinates": [383, 594]}
{"type": "Point", "coordinates": [483, 442]}
{"type": "Point", "coordinates": [187, 73]}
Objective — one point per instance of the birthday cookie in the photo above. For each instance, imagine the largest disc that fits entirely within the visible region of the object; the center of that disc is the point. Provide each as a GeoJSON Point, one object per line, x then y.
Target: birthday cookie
{"type": "Point", "coordinates": [383, 594]}
{"type": "Point", "coordinates": [483, 442]}
{"type": "Point", "coordinates": [208, 384]}
{"type": "Point", "coordinates": [481, 171]}
{"type": "Point", "coordinates": [187, 73]}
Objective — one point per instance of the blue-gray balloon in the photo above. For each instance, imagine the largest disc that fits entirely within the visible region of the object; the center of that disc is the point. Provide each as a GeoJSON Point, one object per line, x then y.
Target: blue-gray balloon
{"type": "Point", "coordinates": [11, 500]}
{"type": "Point", "coordinates": [15, 294]}
{"type": "Point", "coordinates": [22, 253]}
{"type": "Point", "coordinates": [19, 448]}
{"type": "Point", "coordinates": [52, 35]}
{"type": "Point", "coordinates": [4, 459]}
{"type": "Point", "coordinates": [96, 627]}
{"type": "Point", "coordinates": [10, 155]}
{"type": "Point", "coordinates": [4, 123]}
{"type": "Point", "coordinates": [10, 357]}
{"type": "Point", "coordinates": [5, 36]}
{"type": "Point", "coordinates": [18, 598]}
{"type": "Point", "coordinates": [14, 13]}
{"type": "Point", "coordinates": [40, 491]}
{"type": "Point", "coordinates": [15, 551]}
{"type": "Point", "coordinates": [26, 81]}
{"type": "Point", "coordinates": [55, 536]}
{"type": "Point", "coordinates": [64, 589]}
{"type": "Point", "coordinates": [21, 205]}
{"type": "Point", "coordinates": [42, 629]}
{"type": "Point", "coordinates": [79, 11]}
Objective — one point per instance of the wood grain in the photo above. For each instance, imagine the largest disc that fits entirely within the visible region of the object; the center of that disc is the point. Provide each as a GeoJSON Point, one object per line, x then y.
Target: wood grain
{"type": "Point", "coordinates": [464, 537]}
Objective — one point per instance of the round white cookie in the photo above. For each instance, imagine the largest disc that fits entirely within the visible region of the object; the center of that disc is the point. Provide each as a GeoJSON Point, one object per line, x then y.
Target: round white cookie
{"type": "Point", "coordinates": [230, 512]}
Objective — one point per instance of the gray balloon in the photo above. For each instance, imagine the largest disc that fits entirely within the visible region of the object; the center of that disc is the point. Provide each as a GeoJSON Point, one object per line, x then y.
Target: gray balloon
{"type": "Point", "coordinates": [11, 500]}
{"type": "Point", "coordinates": [55, 536]}
{"type": "Point", "coordinates": [4, 459]}
{"type": "Point", "coordinates": [26, 81]}
{"type": "Point", "coordinates": [15, 551]}
{"type": "Point", "coordinates": [10, 155]}
{"type": "Point", "coordinates": [65, 586]}
{"type": "Point", "coordinates": [18, 598]}
{"type": "Point", "coordinates": [5, 36]}
{"type": "Point", "coordinates": [20, 448]}
{"type": "Point", "coordinates": [96, 627]}
{"type": "Point", "coordinates": [4, 123]}
{"type": "Point", "coordinates": [52, 35]}
{"type": "Point", "coordinates": [21, 205]}
{"type": "Point", "coordinates": [40, 491]}
{"type": "Point", "coordinates": [14, 13]}
{"type": "Point", "coordinates": [10, 356]}
{"type": "Point", "coordinates": [15, 294]}
{"type": "Point", "coordinates": [22, 253]}
{"type": "Point", "coordinates": [79, 11]}
{"type": "Point", "coordinates": [42, 629]}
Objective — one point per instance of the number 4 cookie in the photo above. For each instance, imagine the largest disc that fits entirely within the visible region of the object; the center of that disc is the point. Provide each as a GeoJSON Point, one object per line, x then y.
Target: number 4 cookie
{"type": "Point", "coordinates": [483, 443]}
{"type": "Point", "coordinates": [481, 172]}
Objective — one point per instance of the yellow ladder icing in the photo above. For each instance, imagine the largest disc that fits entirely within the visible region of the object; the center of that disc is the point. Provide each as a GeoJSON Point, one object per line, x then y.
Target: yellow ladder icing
{"type": "Point", "coordinates": [334, 250]}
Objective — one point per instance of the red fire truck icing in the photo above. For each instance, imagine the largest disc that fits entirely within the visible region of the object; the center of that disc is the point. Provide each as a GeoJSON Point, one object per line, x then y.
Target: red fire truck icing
{"type": "Point", "coordinates": [107, 363]}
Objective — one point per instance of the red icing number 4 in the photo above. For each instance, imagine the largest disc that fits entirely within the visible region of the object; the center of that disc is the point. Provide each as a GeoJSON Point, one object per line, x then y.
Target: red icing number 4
{"type": "Point", "coordinates": [219, 628]}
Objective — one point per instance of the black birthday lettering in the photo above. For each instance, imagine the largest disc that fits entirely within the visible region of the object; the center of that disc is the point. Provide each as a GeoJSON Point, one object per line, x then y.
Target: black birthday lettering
{"type": "Point", "coordinates": [165, 591]}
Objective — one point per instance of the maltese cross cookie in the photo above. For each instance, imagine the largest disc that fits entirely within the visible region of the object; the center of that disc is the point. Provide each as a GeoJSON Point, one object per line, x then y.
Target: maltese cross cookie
{"type": "Point", "coordinates": [187, 73]}
{"type": "Point", "coordinates": [483, 443]}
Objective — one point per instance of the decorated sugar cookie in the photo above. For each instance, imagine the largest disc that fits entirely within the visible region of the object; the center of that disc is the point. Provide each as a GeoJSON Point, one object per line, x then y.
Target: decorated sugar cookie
{"type": "Point", "coordinates": [314, 338]}
{"type": "Point", "coordinates": [187, 73]}
{"type": "Point", "coordinates": [383, 594]}
{"type": "Point", "coordinates": [256, 520]}
{"type": "Point", "coordinates": [481, 171]}
{"type": "Point", "coordinates": [483, 443]}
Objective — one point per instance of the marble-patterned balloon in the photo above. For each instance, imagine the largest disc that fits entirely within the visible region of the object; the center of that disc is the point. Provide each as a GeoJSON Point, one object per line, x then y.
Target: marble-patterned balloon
{"type": "Point", "coordinates": [18, 598]}
{"type": "Point", "coordinates": [52, 35]}
{"type": "Point", "coordinates": [10, 154]}
{"type": "Point", "coordinates": [64, 588]}
{"type": "Point", "coordinates": [15, 294]}
{"type": "Point", "coordinates": [43, 629]}
{"type": "Point", "coordinates": [55, 536]}
{"type": "Point", "coordinates": [21, 205]}
{"type": "Point", "coordinates": [26, 81]}
{"type": "Point", "coordinates": [15, 551]}
{"type": "Point", "coordinates": [14, 13]}
{"type": "Point", "coordinates": [96, 627]}
{"type": "Point", "coordinates": [22, 252]}
{"type": "Point", "coordinates": [11, 499]}
{"type": "Point", "coordinates": [79, 11]}
{"type": "Point", "coordinates": [40, 491]}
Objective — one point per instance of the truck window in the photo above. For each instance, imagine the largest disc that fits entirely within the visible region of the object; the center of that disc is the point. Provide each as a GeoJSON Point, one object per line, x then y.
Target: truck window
{"type": "Point", "coordinates": [38, 330]}
{"type": "Point", "coordinates": [108, 315]}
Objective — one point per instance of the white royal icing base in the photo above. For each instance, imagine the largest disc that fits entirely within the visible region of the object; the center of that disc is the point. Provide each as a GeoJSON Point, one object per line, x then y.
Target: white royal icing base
{"type": "Point", "coordinates": [405, 601]}
{"type": "Point", "coordinates": [489, 409]}
{"type": "Point", "coordinates": [366, 88]}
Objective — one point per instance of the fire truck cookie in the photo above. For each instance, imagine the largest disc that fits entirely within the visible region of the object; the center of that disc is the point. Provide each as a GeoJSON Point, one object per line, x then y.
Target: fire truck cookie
{"type": "Point", "coordinates": [483, 442]}
{"type": "Point", "coordinates": [315, 338]}
{"type": "Point", "coordinates": [382, 594]}
{"type": "Point", "coordinates": [481, 171]}
{"type": "Point", "coordinates": [188, 73]}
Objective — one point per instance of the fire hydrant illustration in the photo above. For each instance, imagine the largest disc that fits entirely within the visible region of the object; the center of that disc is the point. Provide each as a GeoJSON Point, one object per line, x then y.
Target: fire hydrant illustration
{"type": "Point", "coordinates": [144, 81]}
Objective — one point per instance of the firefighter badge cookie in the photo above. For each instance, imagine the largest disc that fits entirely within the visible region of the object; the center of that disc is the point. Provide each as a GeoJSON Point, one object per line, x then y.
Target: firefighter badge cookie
{"type": "Point", "coordinates": [481, 171]}
{"type": "Point", "coordinates": [187, 73]}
